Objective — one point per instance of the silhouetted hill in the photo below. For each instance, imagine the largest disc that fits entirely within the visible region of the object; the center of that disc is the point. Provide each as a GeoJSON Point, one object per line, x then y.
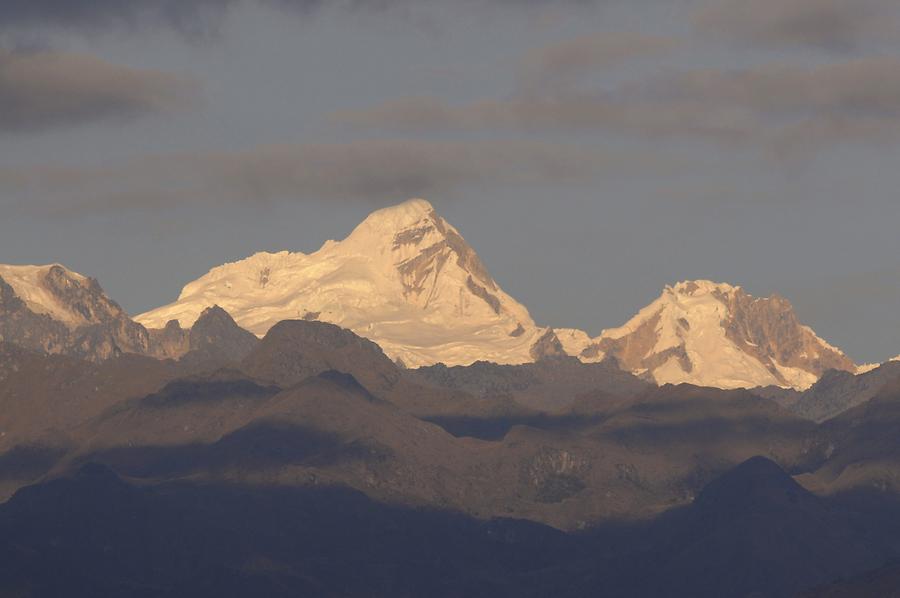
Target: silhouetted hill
{"type": "Point", "coordinates": [550, 385]}
{"type": "Point", "coordinates": [216, 338]}
{"type": "Point", "coordinates": [837, 391]}
{"type": "Point", "coordinates": [752, 531]}
{"type": "Point", "coordinates": [100, 536]}
{"type": "Point", "coordinates": [883, 582]}
{"type": "Point", "coordinates": [294, 350]}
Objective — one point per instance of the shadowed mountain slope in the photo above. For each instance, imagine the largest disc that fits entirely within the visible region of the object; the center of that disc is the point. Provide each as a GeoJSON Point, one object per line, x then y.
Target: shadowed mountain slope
{"type": "Point", "coordinates": [547, 385]}
{"type": "Point", "coordinates": [752, 531]}
{"type": "Point", "coordinates": [837, 391]}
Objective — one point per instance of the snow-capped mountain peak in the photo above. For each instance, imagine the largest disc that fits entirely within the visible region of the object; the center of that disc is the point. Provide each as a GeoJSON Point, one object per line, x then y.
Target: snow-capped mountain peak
{"type": "Point", "coordinates": [715, 334]}
{"type": "Point", "coordinates": [66, 296]}
{"type": "Point", "coordinates": [404, 277]}
{"type": "Point", "coordinates": [388, 221]}
{"type": "Point", "coordinates": [54, 310]}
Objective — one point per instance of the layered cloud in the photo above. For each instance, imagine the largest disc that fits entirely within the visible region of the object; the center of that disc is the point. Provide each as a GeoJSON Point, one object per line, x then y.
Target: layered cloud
{"type": "Point", "coordinates": [95, 15]}
{"type": "Point", "coordinates": [365, 170]}
{"type": "Point", "coordinates": [856, 100]}
{"type": "Point", "coordinates": [43, 89]}
{"type": "Point", "coordinates": [830, 24]}
{"type": "Point", "coordinates": [191, 17]}
{"type": "Point", "coordinates": [567, 62]}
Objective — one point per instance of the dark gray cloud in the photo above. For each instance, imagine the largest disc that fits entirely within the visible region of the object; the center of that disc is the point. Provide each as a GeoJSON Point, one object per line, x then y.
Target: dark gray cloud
{"type": "Point", "coordinates": [42, 89]}
{"type": "Point", "coordinates": [830, 24]}
{"type": "Point", "coordinates": [780, 104]}
{"type": "Point", "coordinates": [360, 171]}
{"type": "Point", "coordinates": [189, 16]}
{"type": "Point", "coordinates": [195, 18]}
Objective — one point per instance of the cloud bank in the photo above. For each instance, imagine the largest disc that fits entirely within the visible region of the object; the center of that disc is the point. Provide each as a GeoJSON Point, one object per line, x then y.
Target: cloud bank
{"type": "Point", "coordinates": [828, 24]}
{"type": "Point", "coordinates": [565, 63]}
{"type": "Point", "coordinates": [44, 89]}
{"type": "Point", "coordinates": [356, 171]}
{"type": "Point", "coordinates": [189, 17]}
{"type": "Point", "coordinates": [786, 105]}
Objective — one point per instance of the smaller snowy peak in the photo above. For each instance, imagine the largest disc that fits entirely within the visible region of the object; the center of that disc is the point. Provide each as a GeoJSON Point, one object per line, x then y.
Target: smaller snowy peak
{"type": "Point", "coordinates": [66, 296]}
{"type": "Point", "coordinates": [716, 334]}
{"type": "Point", "coordinates": [55, 310]}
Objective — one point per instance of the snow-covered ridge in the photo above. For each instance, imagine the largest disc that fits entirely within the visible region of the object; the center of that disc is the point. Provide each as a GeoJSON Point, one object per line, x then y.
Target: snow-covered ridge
{"type": "Point", "coordinates": [404, 278]}
{"type": "Point", "coordinates": [30, 284]}
{"type": "Point", "coordinates": [715, 334]}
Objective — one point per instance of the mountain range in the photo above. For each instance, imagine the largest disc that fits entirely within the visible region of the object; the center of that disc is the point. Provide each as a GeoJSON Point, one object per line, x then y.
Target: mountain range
{"type": "Point", "coordinates": [406, 279]}
{"type": "Point", "coordinates": [198, 458]}
{"type": "Point", "coordinates": [284, 463]}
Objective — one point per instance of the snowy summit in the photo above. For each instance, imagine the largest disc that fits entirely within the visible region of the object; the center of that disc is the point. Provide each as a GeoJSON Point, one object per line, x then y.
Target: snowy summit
{"type": "Point", "coordinates": [404, 278]}
{"type": "Point", "coordinates": [715, 334]}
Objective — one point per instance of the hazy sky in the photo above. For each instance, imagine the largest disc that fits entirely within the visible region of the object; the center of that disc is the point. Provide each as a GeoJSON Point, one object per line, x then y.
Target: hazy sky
{"type": "Point", "coordinates": [591, 151]}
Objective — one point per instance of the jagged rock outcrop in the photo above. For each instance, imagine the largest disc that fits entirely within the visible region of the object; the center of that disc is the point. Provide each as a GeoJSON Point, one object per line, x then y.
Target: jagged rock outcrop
{"type": "Point", "coordinates": [57, 311]}
{"type": "Point", "coordinates": [838, 390]}
{"type": "Point", "coordinates": [215, 337]}
{"type": "Point", "coordinates": [295, 350]}
{"type": "Point", "coordinates": [170, 342]}
{"type": "Point", "coordinates": [548, 347]}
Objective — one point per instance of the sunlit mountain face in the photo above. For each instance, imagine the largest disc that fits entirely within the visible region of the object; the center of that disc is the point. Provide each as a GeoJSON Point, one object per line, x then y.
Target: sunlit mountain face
{"type": "Point", "coordinates": [387, 382]}
{"type": "Point", "coordinates": [485, 298]}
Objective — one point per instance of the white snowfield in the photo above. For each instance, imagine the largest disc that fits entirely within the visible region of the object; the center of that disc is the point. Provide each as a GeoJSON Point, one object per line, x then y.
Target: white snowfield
{"type": "Point", "coordinates": [404, 278]}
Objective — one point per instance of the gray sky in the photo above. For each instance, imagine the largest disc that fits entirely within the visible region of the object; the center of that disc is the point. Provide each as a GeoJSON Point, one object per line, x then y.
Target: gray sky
{"type": "Point", "coordinates": [590, 151]}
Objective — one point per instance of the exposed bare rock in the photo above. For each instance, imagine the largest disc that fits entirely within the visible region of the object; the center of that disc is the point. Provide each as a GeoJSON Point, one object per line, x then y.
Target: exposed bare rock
{"type": "Point", "coordinates": [770, 329]}
{"type": "Point", "coordinates": [21, 326]}
{"type": "Point", "coordinates": [215, 337]}
{"type": "Point", "coordinates": [82, 296]}
{"type": "Point", "coordinates": [294, 350]}
{"type": "Point", "coordinates": [548, 347]}
{"type": "Point", "coordinates": [482, 293]}
{"type": "Point", "coordinates": [837, 391]}
{"type": "Point", "coordinates": [170, 342]}
{"type": "Point", "coordinates": [53, 310]}
{"type": "Point", "coordinates": [546, 385]}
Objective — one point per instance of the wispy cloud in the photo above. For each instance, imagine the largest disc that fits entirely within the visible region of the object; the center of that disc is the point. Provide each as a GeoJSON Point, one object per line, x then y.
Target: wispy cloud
{"type": "Point", "coordinates": [195, 18]}
{"type": "Point", "coordinates": [786, 105]}
{"type": "Point", "coordinates": [187, 16]}
{"type": "Point", "coordinates": [567, 62]}
{"type": "Point", "coordinates": [42, 89]}
{"type": "Point", "coordinates": [355, 171]}
{"type": "Point", "coordinates": [829, 24]}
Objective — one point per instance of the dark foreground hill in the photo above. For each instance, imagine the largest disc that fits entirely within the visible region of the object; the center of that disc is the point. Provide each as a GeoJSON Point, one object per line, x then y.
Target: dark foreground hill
{"type": "Point", "coordinates": [314, 402]}
{"type": "Point", "coordinates": [752, 531]}
{"type": "Point", "coordinates": [309, 463]}
{"type": "Point", "coordinates": [883, 582]}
